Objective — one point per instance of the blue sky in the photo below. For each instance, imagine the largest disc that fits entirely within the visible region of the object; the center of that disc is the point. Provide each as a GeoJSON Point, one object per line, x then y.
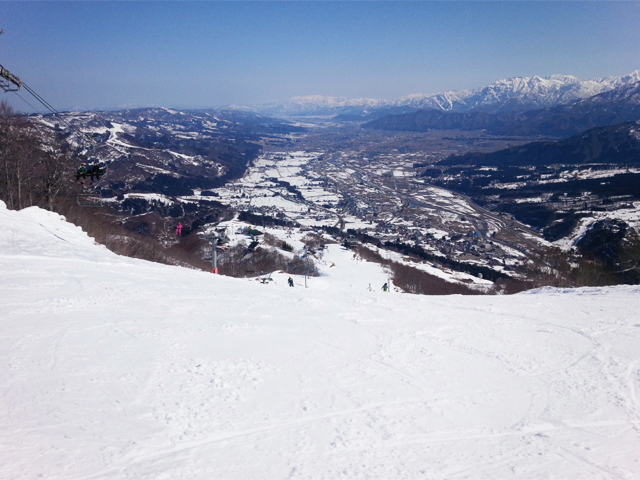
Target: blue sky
{"type": "Point", "coordinates": [85, 55]}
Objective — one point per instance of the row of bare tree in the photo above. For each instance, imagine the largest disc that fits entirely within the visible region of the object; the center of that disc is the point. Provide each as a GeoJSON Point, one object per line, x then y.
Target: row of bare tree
{"type": "Point", "coordinates": [35, 166]}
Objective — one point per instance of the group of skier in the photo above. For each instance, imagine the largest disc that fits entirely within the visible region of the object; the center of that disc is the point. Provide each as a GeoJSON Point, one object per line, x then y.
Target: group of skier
{"type": "Point", "coordinates": [94, 170]}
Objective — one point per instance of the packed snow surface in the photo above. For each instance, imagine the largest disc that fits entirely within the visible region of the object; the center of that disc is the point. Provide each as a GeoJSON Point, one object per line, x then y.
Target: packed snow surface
{"type": "Point", "coordinates": [114, 368]}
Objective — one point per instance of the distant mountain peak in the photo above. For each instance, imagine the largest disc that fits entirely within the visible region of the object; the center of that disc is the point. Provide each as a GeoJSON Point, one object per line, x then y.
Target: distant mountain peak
{"type": "Point", "coordinates": [504, 95]}
{"type": "Point", "coordinates": [515, 93]}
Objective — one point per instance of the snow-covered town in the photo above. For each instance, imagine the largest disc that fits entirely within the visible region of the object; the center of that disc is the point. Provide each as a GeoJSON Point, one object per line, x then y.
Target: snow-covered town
{"type": "Point", "coordinates": [309, 189]}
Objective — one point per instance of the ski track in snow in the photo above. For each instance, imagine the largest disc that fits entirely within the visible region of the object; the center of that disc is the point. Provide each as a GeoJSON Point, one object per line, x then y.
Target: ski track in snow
{"type": "Point", "coordinates": [114, 368]}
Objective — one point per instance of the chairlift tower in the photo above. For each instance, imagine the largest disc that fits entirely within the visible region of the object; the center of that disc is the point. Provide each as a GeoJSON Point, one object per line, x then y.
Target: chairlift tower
{"type": "Point", "coordinates": [8, 81]}
{"type": "Point", "coordinates": [216, 238]}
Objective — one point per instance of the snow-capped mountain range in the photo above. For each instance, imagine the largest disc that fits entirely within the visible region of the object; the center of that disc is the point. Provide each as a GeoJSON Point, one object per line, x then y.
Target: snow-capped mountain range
{"type": "Point", "coordinates": [513, 94]}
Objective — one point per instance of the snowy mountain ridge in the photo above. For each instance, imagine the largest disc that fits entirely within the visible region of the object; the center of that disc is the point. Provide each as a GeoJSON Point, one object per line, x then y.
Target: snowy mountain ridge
{"type": "Point", "coordinates": [523, 92]}
{"type": "Point", "coordinates": [516, 93]}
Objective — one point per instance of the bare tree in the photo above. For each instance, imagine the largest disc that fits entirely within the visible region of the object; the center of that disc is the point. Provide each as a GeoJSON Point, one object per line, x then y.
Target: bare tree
{"type": "Point", "coordinates": [54, 170]}
{"type": "Point", "coordinates": [18, 159]}
{"type": "Point", "coordinates": [6, 154]}
{"type": "Point", "coordinates": [33, 162]}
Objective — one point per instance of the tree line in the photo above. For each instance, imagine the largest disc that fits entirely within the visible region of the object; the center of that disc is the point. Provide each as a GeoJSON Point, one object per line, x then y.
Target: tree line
{"type": "Point", "coordinates": [35, 163]}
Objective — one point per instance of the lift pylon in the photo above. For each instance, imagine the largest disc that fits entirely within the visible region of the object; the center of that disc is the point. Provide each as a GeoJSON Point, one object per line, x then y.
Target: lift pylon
{"type": "Point", "coordinates": [8, 81]}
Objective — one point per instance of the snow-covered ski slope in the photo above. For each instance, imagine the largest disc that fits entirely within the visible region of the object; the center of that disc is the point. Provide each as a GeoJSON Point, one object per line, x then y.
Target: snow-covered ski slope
{"type": "Point", "coordinates": [114, 368]}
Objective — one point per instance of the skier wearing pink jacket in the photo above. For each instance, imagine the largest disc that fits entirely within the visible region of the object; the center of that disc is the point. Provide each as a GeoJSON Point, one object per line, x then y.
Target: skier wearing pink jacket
{"type": "Point", "coordinates": [178, 229]}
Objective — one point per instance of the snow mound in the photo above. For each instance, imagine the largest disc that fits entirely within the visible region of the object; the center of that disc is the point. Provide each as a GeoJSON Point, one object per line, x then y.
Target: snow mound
{"type": "Point", "coordinates": [37, 232]}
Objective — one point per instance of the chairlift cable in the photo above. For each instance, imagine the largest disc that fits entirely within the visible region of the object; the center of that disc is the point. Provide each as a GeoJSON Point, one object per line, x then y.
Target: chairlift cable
{"type": "Point", "coordinates": [55, 112]}
{"type": "Point", "coordinates": [25, 101]}
{"type": "Point", "coordinates": [49, 107]}
{"type": "Point", "coordinates": [7, 76]}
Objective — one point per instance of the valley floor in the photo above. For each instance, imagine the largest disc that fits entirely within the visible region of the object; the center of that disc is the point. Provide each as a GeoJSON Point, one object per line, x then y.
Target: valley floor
{"type": "Point", "coordinates": [114, 368]}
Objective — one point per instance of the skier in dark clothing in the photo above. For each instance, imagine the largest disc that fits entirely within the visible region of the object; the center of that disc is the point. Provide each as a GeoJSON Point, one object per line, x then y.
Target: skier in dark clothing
{"type": "Point", "coordinates": [94, 171]}
{"type": "Point", "coordinates": [385, 287]}
{"type": "Point", "coordinates": [81, 173]}
{"type": "Point", "coordinates": [290, 282]}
